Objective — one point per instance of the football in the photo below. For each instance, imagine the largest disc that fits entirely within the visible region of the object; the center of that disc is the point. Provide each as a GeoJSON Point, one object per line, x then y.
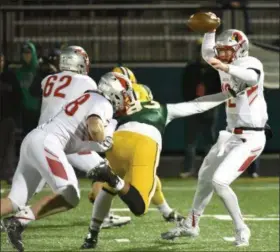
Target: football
{"type": "Point", "coordinates": [203, 22]}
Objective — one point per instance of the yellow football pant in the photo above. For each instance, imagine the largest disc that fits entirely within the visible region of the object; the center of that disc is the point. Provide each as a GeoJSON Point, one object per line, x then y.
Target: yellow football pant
{"type": "Point", "coordinates": [134, 157]}
{"type": "Point", "coordinates": [158, 197]}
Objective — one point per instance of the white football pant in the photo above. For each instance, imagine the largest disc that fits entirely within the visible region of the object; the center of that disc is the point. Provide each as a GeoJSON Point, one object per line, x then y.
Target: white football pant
{"type": "Point", "coordinates": [226, 161]}
{"type": "Point", "coordinates": [42, 157]}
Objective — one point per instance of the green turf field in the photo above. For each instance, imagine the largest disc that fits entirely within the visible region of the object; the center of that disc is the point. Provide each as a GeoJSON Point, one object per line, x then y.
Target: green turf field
{"type": "Point", "coordinates": [259, 200]}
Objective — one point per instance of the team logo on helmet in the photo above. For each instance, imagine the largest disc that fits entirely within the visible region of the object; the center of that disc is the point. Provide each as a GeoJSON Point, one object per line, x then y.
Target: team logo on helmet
{"type": "Point", "coordinates": [236, 36]}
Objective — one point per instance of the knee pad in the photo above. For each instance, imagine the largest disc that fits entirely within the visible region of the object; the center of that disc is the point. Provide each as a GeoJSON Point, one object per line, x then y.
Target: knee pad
{"type": "Point", "coordinates": [134, 201]}
{"type": "Point", "coordinates": [71, 194]}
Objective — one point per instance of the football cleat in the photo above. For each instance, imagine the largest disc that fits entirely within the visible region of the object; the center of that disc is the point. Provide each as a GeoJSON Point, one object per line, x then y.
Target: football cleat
{"type": "Point", "coordinates": [186, 227]}
{"type": "Point", "coordinates": [103, 173]}
{"type": "Point", "coordinates": [181, 230]}
{"type": "Point", "coordinates": [91, 240]}
{"type": "Point", "coordinates": [173, 217]}
{"type": "Point", "coordinates": [242, 237]}
{"type": "Point", "coordinates": [14, 230]}
{"type": "Point", "coordinates": [115, 221]}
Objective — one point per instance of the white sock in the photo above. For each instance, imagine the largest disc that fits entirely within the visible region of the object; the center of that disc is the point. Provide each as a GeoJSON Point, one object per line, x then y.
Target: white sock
{"type": "Point", "coordinates": [231, 203]}
{"type": "Point", "coordinates": [202, 197]}
{"type": "Point", "coordinates": [101, 208]}
{"type": "Point", "coordinates": [165, 209]}
{"type": "Point", "coordinates": [120, 184]}
{"type": "Point", "coordinates": [25, 215]}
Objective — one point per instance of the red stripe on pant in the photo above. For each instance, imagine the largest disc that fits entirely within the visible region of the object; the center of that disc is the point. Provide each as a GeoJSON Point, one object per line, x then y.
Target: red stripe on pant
{"type": "Point", "coordinates": [57, 168]}
{"type": "Point", "coordinates": [246, 164]}
{"type": "Point", "coordinates": [84, 153]}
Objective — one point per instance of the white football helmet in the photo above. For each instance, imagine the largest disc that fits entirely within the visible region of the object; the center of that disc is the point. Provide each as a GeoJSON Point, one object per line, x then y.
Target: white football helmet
{"type": "Point", "coordinates": [74, 59]}
{"type": "Point", "coordinates": [117, 88]}
{"type": "Point", "coordinates": [234, 40]}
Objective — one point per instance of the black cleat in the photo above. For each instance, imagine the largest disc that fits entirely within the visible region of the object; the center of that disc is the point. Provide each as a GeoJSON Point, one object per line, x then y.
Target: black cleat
{"type": "Point", "coordinates": [173, 217]}
{"type": "Point", "coordinates": [91, 240]}
{"type": "Point", "coordinates": [14, 230]}
{"type": "Point", "coordinates": [103, 173]}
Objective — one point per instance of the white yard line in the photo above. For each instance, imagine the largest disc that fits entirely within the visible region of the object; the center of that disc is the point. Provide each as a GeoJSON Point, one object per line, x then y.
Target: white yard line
{"type": "Point", "coordinates": [229, 239]}
{"type": "Point", "coordinates": [185, 188]}
{"type": "Point", "coordinates": [222, 217]}
{"type": "Point", "coordinates": [122, 240]}
{"type": "Point", "coordinates": [242, 188]}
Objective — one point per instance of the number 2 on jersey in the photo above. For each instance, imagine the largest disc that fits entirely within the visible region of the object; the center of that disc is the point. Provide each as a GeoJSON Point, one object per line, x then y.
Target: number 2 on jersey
{"type": "Point", "coordinates": [64, 82]}
{"type": "Point", "coordinates": [230, 103]}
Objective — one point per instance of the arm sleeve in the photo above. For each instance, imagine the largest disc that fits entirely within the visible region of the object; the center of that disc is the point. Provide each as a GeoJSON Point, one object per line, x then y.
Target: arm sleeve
{"type": "Point", "coordinates": [101, 108]}
{"type": "Point", "coordinates": [208, 44]}
{"type": "Point", "coordinates": [249, 75]}
{"type": "Point", "coordinates": [196, 106]}
{"type": "Point", "coordinates": [110, 129]}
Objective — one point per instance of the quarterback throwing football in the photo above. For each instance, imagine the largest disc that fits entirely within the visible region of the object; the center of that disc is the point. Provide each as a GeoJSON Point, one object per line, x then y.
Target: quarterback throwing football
{"type": "Point", "coordinates": [241, 142]}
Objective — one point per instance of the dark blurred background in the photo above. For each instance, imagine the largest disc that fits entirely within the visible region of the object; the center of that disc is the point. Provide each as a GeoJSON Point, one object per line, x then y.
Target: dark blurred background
{"type": "Point", "coordinates": [152, 39]}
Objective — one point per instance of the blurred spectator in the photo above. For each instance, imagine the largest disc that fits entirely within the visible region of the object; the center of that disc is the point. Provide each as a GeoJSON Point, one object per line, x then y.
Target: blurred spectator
{"type": "Point", "coordinates": [253, 169]}
{"type": "Point", "coordinates": [49, 64]}
{"type": "Point", "coordinates": [236, 4]}
{"type": "Point", "coordinates": [9, 104]}
{"type": "Point", "coordinates": [25, 75]}
{"type": "Point", "coordinates": [199, 79]}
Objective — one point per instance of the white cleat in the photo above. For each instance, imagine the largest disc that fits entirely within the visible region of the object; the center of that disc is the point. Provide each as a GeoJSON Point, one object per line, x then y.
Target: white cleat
{"type": "Point", "coordinates": [242, 237]}
{"type": "Point", "coordinates": [115, 221]}
{"type": "Point", "coordinates": [183, 229]}
{"type": "Point", "coordinates": [2, 227]}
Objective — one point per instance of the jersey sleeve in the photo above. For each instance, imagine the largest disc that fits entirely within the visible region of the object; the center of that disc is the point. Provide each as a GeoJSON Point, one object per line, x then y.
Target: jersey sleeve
{"type": "Point", "coordinates": [102, 108]}
{"type": "Point", "coordinates": [208, 44]}
{"type": "Point", "coordinates": [248, 71]}
{"type": "Point", "coordinates": [196, 106]}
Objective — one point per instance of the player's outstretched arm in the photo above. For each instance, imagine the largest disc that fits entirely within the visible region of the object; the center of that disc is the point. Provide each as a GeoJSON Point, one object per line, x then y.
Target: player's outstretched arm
{"type": "Point", "coordinates": [208, 44]}
{"type": "Point", "coordinates": [196, 106]}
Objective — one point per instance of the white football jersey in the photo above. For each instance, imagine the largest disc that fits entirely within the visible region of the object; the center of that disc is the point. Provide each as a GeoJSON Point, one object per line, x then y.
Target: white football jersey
{"type": "Point", "coordinates": [60, 88]}
{"type": "Point", "coordinates": [249, 108]}
{"type": "Point", "coordinates": [69, 125]}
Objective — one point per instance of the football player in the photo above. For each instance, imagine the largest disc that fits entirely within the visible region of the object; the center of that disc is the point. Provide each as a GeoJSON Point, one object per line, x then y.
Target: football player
{"type": "Point", "coordinates": [52, 101]}
{"type": "Point", "coordinates": [241, 142]}
{"type": "Point", "coordinates": [135, 154]}
{"type": "Point", "coordinates": [143, 93]}
{"type": "Point", "coordinates": [79, 126]}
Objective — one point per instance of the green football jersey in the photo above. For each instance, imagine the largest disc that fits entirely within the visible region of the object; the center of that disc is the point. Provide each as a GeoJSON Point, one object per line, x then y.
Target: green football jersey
{"type": "Point", "coordinates": [152, 113]}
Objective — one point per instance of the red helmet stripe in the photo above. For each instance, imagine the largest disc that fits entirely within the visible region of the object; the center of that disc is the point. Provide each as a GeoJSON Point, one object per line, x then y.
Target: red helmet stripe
{"type": "Point", "coordinates": [122, 81]}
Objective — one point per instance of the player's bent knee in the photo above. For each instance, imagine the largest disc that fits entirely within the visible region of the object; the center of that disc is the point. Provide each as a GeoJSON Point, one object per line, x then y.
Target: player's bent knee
{"type": "Point", "coordinates": [71, 194]}
{"type": "Point", "coordinates": [219, 187]}
{"type": "Point", "coordinates": [134, 201]}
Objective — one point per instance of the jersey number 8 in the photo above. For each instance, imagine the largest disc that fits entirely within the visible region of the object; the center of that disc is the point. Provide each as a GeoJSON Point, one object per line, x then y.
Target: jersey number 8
{"type": "Point", "coordinates": [72, 107]}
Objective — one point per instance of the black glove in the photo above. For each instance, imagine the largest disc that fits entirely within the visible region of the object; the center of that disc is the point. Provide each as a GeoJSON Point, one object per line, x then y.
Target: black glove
{"type": "Point", "coordinates": [268, 132]}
